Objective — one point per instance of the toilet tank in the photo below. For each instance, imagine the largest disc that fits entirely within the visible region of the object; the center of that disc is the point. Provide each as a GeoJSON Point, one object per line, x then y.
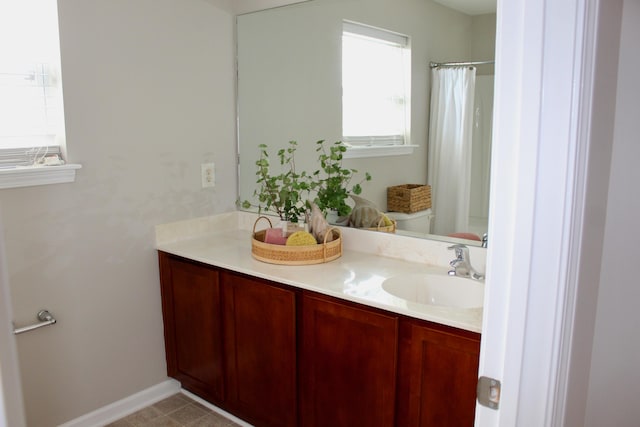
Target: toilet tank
{"type": "Point", "coordinates": [419, 222]}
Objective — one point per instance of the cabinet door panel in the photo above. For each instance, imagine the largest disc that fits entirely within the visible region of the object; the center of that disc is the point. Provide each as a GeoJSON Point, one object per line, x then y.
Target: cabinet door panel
{"type": "Point", "coordinates": [438, 375]}
{"type": "Point", "coordinates": [260, 344]}
{"type": "Point", "coordinates": [348, 365]}
{"type": "Point", "coordinates": [193, 329]}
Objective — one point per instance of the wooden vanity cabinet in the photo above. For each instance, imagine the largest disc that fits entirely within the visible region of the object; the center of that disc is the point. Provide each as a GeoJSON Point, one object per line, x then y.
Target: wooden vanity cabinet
{"type": "Point", "coordinates": [437, 375]}
{"type": "Point", "coordinates": [260, 350]}
{"type": "Point", "coordinates": [347, 364]}
{"type": "Point", "coordinates": [280, 356]}
{"type": "Point", "coordinates": [191, 306]}
{"type": "Point", "coordinates": [231, 339]}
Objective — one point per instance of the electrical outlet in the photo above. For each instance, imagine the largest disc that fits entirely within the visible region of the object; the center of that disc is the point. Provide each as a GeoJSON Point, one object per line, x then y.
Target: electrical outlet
{"type": "Point", "coordinates": [208, 173]}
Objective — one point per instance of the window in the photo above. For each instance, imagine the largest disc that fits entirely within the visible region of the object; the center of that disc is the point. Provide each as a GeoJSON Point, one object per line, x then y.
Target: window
{"type": "Point", "coordinates": [376, 87]}
{"type": "Point", "coordinates": [31, 108]}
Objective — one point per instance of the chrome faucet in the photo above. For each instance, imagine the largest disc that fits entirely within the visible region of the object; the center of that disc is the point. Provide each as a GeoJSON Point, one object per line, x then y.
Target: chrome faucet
{"type": "Point", "coordinates": [461, 266]}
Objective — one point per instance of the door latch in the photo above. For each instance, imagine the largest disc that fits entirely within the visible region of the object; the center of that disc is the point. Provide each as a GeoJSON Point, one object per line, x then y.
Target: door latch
{"type": "Point", "coordinates": [488, 392]}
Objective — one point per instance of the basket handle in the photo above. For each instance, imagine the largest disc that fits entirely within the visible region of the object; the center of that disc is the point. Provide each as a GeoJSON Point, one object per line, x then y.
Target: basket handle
{"type": "Point", "coordinates": [257, 220]}
{"type": "Point", "coordinates": [324, 243]}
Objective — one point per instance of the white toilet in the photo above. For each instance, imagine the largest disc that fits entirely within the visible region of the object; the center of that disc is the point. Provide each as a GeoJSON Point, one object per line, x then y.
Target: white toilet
{"type": "Point", "coordinates": [417, 222]}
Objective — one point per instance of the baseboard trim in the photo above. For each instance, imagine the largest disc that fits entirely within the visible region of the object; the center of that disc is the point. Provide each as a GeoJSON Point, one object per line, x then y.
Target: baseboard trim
{"type": "Point", "coordinates": [128, 405]}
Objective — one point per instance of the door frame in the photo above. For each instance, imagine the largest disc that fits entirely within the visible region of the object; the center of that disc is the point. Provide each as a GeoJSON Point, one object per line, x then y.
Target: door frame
{"type": "Point", "coordinates": [550, 160]}
{"type": "Point", "coordinates": [11, 400]}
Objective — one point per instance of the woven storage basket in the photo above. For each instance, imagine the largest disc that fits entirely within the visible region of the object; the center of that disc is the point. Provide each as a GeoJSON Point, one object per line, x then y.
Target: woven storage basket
{"type": "Point", "coordinates": [295, 255]}
{"type": "Point", "coordinates": [408, 198]}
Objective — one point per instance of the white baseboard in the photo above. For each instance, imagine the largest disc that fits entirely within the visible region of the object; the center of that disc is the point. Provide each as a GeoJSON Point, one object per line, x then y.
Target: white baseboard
{"type": "Point", "coordinates": [128, 405]}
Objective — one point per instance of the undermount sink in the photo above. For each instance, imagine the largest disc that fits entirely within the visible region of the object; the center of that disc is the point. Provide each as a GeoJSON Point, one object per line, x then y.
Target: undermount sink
{"type": "Point", "coordinates": [436, 289]}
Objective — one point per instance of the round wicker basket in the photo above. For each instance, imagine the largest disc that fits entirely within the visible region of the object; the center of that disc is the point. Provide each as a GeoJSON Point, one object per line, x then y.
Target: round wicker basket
{"type": "Point", "coordinates": [385, 228]}
{"type": "Point", "coordinates": [295, 255]}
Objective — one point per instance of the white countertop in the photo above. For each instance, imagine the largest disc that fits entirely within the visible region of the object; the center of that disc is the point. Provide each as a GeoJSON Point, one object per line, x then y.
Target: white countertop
{"type": "Point", "coordinates": [225, 241]}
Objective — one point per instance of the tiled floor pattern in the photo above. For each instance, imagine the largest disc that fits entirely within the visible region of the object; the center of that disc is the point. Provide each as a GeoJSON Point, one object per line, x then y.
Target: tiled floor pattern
{"type": "Point", "coordinates": [174, 411]}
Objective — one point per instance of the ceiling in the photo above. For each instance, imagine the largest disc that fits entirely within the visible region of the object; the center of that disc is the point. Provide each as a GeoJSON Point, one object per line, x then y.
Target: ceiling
{"type": "Point", "coordinates": [470, 7]}
{"type": "Point", "coordinates": [246, 6]}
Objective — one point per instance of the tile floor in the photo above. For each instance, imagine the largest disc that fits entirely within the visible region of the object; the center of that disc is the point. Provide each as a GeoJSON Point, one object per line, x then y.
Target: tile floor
{"type": "Point", "coordinates": [174, 411]}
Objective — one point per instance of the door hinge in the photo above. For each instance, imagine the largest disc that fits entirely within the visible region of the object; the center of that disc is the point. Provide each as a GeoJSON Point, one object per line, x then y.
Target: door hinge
{"type": "Point", "coordinates": [488, 392]}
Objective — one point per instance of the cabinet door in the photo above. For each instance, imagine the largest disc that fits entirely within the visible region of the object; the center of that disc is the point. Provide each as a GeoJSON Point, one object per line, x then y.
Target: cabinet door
{"type": "Point", "coordinates": [192, 326]}
{"type": "Point", "coordinates": [438, 373]}
{"type": "Point", "coordinates": [260, 350]}
{"type": "Point", "coordinates": [347, 365]}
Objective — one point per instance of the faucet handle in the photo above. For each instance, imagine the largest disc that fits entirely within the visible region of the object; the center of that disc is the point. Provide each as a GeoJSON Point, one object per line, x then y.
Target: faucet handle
{"type": "Point", "coordinates": [460, 250]}
{"type": "Point", "coordinates": [461, 265]}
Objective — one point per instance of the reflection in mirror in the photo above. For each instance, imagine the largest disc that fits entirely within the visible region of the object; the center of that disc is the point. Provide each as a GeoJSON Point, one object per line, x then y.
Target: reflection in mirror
{"type": "Point", "coordinates": [290, 88]}
{"type": "Point", "coordinates": [458, 104]}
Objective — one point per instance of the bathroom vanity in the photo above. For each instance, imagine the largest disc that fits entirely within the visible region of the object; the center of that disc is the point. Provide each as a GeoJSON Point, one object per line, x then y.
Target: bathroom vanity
{"type": "Point", "coordinates": [319, 345]}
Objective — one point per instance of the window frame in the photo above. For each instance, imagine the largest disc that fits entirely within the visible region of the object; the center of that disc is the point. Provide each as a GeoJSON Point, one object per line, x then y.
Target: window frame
{"type": "Point", "coordinates": [18, 163]}
{"type": "Point", "coordinates": [382, 145]}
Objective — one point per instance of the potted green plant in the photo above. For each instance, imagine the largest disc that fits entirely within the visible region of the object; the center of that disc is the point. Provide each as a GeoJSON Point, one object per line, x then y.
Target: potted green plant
{"type": "Point", "coordinates": [281, 193]}
{"type": "Point", "coordinates": [332, 182]}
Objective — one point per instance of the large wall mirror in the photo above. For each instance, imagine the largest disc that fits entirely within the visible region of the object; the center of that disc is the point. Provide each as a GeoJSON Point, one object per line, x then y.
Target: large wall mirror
{"type": "Point", "coordinates": [290, 88]}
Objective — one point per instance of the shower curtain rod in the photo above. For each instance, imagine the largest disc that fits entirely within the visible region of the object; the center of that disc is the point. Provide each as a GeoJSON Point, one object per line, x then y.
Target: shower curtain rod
{"type": "Point", "coordinates": [456, 64]}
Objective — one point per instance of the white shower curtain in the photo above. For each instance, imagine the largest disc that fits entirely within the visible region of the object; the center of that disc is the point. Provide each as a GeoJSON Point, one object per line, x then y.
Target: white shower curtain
{"type": "Point", "coordinates": [450, 134]}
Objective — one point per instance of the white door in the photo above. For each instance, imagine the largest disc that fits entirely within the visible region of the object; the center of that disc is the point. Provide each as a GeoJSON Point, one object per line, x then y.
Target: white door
{"type": "Point", "coordinates": [11, 404]}
{"type": "Point", "coordinates": [543, 119]}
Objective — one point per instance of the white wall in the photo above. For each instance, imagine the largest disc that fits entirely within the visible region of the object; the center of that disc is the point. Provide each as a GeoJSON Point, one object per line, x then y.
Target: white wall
{"type": "Point", "coordinates": [614, 383]}
{"type": "Point", "coordinates": [149, 96]}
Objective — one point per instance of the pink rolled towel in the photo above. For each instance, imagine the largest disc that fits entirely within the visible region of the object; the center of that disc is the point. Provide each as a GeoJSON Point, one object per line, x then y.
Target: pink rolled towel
{"type": "Point", "coordinates": [468, 236]}
{"type": "Point", "coordinates": [274, 236]}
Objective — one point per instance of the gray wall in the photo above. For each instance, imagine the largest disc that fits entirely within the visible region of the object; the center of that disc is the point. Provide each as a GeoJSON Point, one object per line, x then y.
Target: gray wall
{"type": "Point", "coordinates": [483, 41]}
{"type": "Point", "coordinates": [614, 382]}
{"type": "Point", "coordinates": [149, 96]}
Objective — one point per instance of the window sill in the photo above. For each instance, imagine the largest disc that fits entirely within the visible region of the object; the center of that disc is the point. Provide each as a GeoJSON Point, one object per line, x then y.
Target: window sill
{"type": "Point", "coordinates": [37, 175]}
{"type": "Point", "coordinates": [354, 152]}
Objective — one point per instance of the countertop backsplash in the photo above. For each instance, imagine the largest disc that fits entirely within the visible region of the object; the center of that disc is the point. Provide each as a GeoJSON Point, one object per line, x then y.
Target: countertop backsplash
{"type": "Point", "coordinates": [431, 252]}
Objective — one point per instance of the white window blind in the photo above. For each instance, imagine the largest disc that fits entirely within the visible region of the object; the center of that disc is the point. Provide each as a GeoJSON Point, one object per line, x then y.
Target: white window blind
{"type": "Point", "coordinates": [31, 108]}
{"type": "Point", "coordinates": [376, 86]}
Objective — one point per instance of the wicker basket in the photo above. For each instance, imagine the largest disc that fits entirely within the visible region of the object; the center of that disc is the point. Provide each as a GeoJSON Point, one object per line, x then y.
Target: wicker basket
{"type": "Point", "coordinates": [408, 198]}
{"type": "Point", "coordinates": [295, 255]}
{"type": "Point", "coordinates": [385, 228]}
